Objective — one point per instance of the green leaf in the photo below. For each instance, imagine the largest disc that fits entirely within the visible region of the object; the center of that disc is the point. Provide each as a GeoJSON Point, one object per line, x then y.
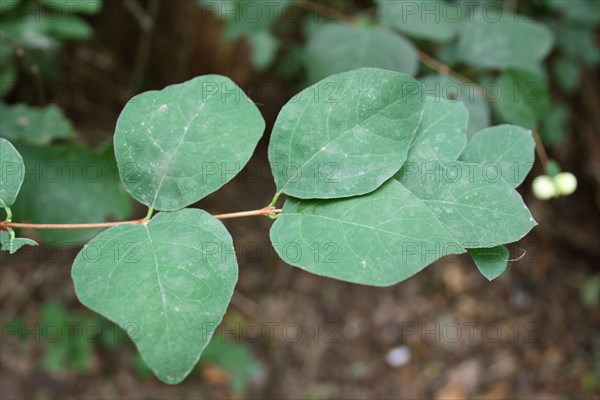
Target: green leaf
{"type": "Point", "coordinates": [12, 244]}
{"type": "Point", "coordinates": [581, 11]}
{"type": "Point", "coordinates": [445, 87]}
{"type": "Point", "coordinates": [167, 283]}
{"type": "Point", "coordinates": [12, 173]}
{"type": "Point", "coordinates": [378, 239]}
{"type": "Point", "coordinates": [179, 144]}
{"type": "Point", "coordinates": [7, 5]}
{"type": "Point", "coordinates": [476, 205]}
{"type": "Point", "coordinates": [492, 262]}
{"type": "Point", "coordinates": [555, 125]}
{"type": "Point", "coordinates": [345, 135]}
{"type": "Point", "coordinates": [335, 48]}
{"type": "Point", "coordinates": [522, 98]}
{"type": "Point", "coordinates": [69, 6]}
{"type": "Point", "coordinates": [264, 49]}
{"type": "Point", "coordinates": [442, 132]}
{"type": "Point", "coordinates": [510, 40]}
{"type": "Point", "coordinates": [72, 28]}
{"type": "Point", "coordinates": [236, 358]}
{"type": "Point", "coordinates": [249, 17]}
{"type": "Point", "coordinates": [431, 20]}
{"type": "Point", "coordinates": [507, 148]}
{"type": "Point", "coordinates": [33, 125]}
{"type": "Point", "coordinates": [70, 184]}
{"type": "Point", "coordinates": [567, 73]}
{"type": "Point", "coordinates": [578, 42]}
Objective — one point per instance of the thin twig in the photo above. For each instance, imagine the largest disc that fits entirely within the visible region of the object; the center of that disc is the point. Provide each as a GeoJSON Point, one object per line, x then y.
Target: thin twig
{"type": "Point", "coordinates": [540, 149]}
{"type": "Point", "coordinates": [265, 212]}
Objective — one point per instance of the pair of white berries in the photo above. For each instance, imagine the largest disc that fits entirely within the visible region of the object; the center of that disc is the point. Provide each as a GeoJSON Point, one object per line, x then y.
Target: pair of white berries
{"type": "Point", "coordinates": [562, 184]}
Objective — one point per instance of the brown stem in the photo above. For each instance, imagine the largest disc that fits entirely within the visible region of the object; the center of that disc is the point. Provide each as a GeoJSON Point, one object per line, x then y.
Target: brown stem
{"type": "Point", "coordinates": [266, 211]}
{"type": "Point", "coordinates": [540, 149]}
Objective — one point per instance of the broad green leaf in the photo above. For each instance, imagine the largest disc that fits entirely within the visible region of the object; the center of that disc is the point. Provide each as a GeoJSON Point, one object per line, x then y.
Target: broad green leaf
{"type": "Point", "coordinates": [69, 6]}
{"type": "Point", "coordinates": [586, 11]}
{"type": "Point", "coordinates": [434, 20]}
{"type": "Point", "coordinates": [167, 284]}
{"type": "Point", "coordinates": [73, 27]}
{"type": "Point", "coordinates": [522, 98]}
{"type": "Point", "coordinates": [70, 184]}
{"type": "Point", "coordinates": [33, 125]}
{"type": "Point", "coordinates": [345, 135]}
{"type": "Point", "coordinates": [179, 144]}
{"type": "Point", "coordinates": [475, 204]}
{"type": "Point", "coordinates": [445, 87]}
{"type": "Point", "coordinates": [12, 245]}
{"type": "Point", "coordinates": [335, 48]}
{"type": "Point", "coordinates": [249, 17]}
{"type": "Point", "coordinates": [442, 132]}
{"type": "Point", "coordinates": [264, 49]}
{"type": "Point", "coordinates": [509, 149]}
{"type": "Point", "coordinates": [492, 262]}
{"type": "Point", "coordinates": [12, 173]}
{"type": "Point", "coordinates": [510, 40]}
{"type": "Point", "coordinates": [378, 239]}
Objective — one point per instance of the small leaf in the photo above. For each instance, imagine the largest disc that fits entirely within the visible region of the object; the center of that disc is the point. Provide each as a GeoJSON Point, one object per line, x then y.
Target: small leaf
{"type": "Point", "coordinates": [179, 144]}
{"type": "Point", "coordinates": [345, 135]}
{"type": "Point", "coordinates": [247, 17]}
{"type": "Point", "coordinates": [511, 40]}
{"type": "Point", "coordinates": [522, 99]}
{"type": "Point", "coordinates": [431, 20]}
{"type": "Point", "coordinates": [507, 148]}
{"type": "Point", "coordinates": [70, 184]}
{"type": "Point", "coordinates": [445, 87]}
{"type": "Point", "coordinates": [167, 284]}
{"type": "Point", "coordinates": [378, 239]}
{"type": "Point", "coordinates": [33, 125]}
{"type": "Point", "coordinates": [442, 132]}
{"type": "Point", "coordinates": [264, 49]}
{"type": "Point", "coordinates": [335, 48]}
{"type": "Point", "coordinates": [12, 245]}
{"type": "Point", "coordinates": [474, 203]}
{"type": "Point", "coordinates": [492, 262]}
{"type": "Point", "coordinates": [12, 173]}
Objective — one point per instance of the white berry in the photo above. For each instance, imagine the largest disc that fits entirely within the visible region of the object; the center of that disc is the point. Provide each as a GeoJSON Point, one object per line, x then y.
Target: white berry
{"type": "Point", "coordinates": [544, 188]}
{"type": "Point", "coordinates": [565, 183]}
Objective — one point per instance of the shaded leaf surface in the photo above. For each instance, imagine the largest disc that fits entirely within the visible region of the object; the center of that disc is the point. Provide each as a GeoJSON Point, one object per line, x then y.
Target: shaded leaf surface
{"type": "Point", "coordinates": [179, 144]}
{"type": "Point", "coordinates": [167, 284]}
{"type": "Point", "coordinates": [345, 135]}
{"type": "Point", "coordinates": [508, 148]}
{"type": "Point", "coordinates": [12, 173]}
{"type": "Point", "coordinates": [379, 239]}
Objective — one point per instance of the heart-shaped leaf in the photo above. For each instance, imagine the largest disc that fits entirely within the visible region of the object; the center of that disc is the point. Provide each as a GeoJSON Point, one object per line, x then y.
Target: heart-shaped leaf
{"type": "Point", "coordinates": [179, 144]}
{"type": "Point", "coordinates": [167, 283]}
{"type": "Point", "coordinates": [379, 239]}
{"type": "Point", "coordinates": [491, 262]}
{"type": "Point", "coordinates": [345, 135]}
{"type": "Point", "coordinates": [474, 202]}
{"type": "Point", "coordinates": [507, 148]}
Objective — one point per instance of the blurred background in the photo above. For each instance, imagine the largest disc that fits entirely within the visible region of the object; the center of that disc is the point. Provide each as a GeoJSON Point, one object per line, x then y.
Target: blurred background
{"type": "Point", "coordinates": [67, 68]}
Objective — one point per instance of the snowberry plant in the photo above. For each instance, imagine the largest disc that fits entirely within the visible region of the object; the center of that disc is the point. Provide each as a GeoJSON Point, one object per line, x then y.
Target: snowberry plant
{"type": "Point", "coordinates": [380, 182]}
